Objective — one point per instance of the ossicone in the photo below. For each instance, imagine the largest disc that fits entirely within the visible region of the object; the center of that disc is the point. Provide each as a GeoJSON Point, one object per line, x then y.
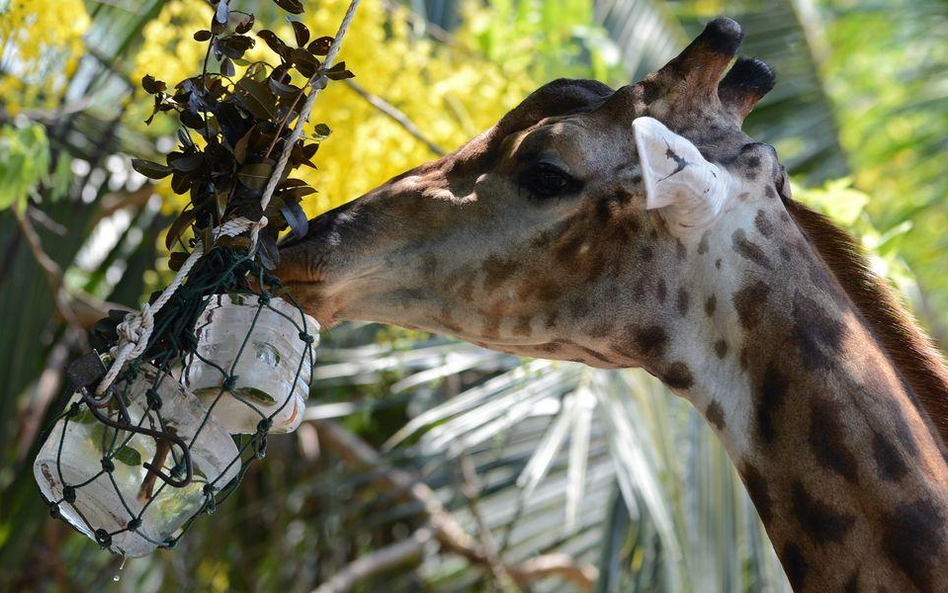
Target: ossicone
{"type": "Point", "coordinates": [745, 84]}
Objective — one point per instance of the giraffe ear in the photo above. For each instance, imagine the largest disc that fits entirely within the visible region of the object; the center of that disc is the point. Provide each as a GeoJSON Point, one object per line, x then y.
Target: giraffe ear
{"type": "Point", "coordinates": [688, 190]}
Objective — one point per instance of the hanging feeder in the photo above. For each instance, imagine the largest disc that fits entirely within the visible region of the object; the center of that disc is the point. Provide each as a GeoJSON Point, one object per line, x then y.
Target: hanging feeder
{"type": "Point", "coordinates": [130, 469]}
{"type": "Point", "coordinates": [253, 362]}
{"type": "Point", "coordinates": [198, 378]}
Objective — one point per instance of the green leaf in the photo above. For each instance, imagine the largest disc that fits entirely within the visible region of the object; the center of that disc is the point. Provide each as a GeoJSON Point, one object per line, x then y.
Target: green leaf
{"type": "Point", "coordinates": [301, 32]}
{"type": "Point", "coordinates": [151, 169]}
{"type": "Point", "coordinates": [246, 24]}
{"type": "Point", "coordinates": [255, 176]}
{"type": "Point", "coordinates": [295, 218]}
{"type": "Point", "coordinates": [320, 46]}
{"type": "Point", "coordinates": [291, 6]}
{"type": "Point", "coordinates": [305, 62]}
{"type": "Point", "coordinates": [321, 131]}
{"type": "Point", "coordinates": [275, 43]}
{"type": "Point", "coordinates": [177, 228]}
{"type": "Point", "coordinates": [188, 163]}
{"type": "Point", "coordinates": [202, 35]}
{"type": "Point", "coordinates": [339, 72]}
{"type": "Point", "coordinates": [153, 85]}
{"type": "Point", "coordinates": [256, 98]}
{"type": "Point", "coordinates": [128, 456]}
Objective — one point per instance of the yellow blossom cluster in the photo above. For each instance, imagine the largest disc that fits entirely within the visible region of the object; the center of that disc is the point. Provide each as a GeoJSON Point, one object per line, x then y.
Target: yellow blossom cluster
{"type": "Point", "coordinates": [449, 92]}
{"type": "Point", "coordinates": [39, 50]}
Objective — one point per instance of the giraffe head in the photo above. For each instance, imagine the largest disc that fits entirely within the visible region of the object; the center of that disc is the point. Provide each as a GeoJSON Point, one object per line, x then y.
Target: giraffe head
{"type": "Point", "coordinates": [565, 230]}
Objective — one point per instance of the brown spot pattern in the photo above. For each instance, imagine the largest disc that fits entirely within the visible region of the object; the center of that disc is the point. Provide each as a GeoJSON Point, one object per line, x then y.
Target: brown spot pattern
{"type": "Point", "coordinates": [912, 537]}
{"type": "Point", "coordinates": [828, 441]}
{"type": "Point", "coordinates": [749, 250]}
{"type": "Point", "coordinates": [763, 224]}
{"type": "Point", "coordinates": [757, 489]}
{"type": "Point", "coordinates": [771, 396]}
{"type": "Point", "coordinates": [678, 376]}
{"type": "Point", "coordinates": [681, 302]}
{"type": "Point", "coordinates": [710, 305]}
{"type": "Point", "coordinates": [820, 521]}
{"type": "Point", "coordinates": [715, 415]}
{"type": "Point", "coordinates": [748, 302]}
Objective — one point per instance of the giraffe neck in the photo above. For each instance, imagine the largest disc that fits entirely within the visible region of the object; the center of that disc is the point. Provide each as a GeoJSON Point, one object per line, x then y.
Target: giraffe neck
{"type": "Point", "coordinates": [843, 466]}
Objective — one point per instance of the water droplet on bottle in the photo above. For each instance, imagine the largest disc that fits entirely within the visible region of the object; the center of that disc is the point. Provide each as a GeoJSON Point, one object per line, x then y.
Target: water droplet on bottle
{"type": "Point", "coordinates": [117, 577]}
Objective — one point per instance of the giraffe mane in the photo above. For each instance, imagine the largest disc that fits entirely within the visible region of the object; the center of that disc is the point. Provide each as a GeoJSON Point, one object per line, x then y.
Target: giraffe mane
{"type": "Point", "coordinates": [912, 352]}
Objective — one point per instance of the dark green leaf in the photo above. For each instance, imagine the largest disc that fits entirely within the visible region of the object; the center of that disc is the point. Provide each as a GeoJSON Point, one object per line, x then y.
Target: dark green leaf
{"type": "Point", "coordinates": [256, 98]}
{"type": "Point", "coordinates": [177, 228]}
{"type": "Point", "coordinates": [295, 194]}
{"type": "Point", "coordinates": [187, 163]}
{"type": "Point", "coordinates": [202, 35]}
{"type": "Point", "coordinates": [285, 91]}
{"type": "Point", "coordinates": [152, 85]}
{"type": "Point", "coordinates": [191, 119]}
{"type": "Point", "coordinates": [321, 131]}
{"type": "Point", "coordinates": [268, 252]}
{"type": "Point", "coordinates": [255, 176]}
{"type": "Point", "coordinates": [295, 218]}
{"type": "Point", "coordinates": [227, 67]}
{"type": "Point", "coordinates": [180, 183]}
{"type": "Point", "coordinates": [240, 149]}
{"type": "Point", "coordinates": [305, 63]}
{"type": "Point", "coordinates": [320, 46]}
{"type": "Point", "coordinates": [339, 72]}
{"type": "Point", "coordinates": [246, 24]}
{"type": "Point", "coordinates": [176, 260]}
{"type": "Point", "coordinates": [301, 32]}
{"type": "Point", "coordinates": [275, 43]}
{"type": "Point", "coordinates": [291, 6]}
{"type": "Point", "coordinates": [151, 169]}
{"type": "Point", "coordinates": [185, 138]}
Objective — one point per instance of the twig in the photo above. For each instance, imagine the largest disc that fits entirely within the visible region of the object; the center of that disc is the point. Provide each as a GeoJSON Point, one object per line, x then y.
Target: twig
{"type": "Point", "coordinates": [447, 530]}
{"type": "Point", "coordinates": [395, 115]}
{"type": "Point", "coordinates": [378, 561]}
{"type": "Point", "coordinates": [471, 489]}
{"type": "Point", "coordinates": [54, 276]}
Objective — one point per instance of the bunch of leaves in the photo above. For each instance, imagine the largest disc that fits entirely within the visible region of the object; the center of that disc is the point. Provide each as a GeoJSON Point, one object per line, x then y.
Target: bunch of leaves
{"type": "Point", "coordinates": [242, 124]}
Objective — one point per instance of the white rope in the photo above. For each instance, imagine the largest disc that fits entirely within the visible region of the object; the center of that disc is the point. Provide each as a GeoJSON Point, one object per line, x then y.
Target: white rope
{"type": "Point", "coordinates": [318, 82]}
{"type": "Point", "coordinates": [136, 328]}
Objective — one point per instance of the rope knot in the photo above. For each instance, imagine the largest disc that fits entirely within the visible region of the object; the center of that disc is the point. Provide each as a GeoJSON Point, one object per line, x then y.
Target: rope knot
{"type": "Point", "coordinates": [153, 399]}
{"type": "Point", "coordinates": [69, 494]}
{"type": "Point", "coordinates": [107, 465]}
{"type": "Point", "coordinates": [229, 383]}
{"type": "Point", "coordinates": [102, 536]}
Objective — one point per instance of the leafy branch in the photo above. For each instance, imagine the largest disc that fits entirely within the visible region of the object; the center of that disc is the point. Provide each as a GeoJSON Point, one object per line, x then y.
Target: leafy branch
{"type": "Point", "coordinates": [243, 121]}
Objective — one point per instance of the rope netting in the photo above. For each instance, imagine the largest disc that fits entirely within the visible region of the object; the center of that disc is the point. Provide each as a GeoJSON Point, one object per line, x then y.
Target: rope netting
{"type": "Point", "coordinates": [164, 427]}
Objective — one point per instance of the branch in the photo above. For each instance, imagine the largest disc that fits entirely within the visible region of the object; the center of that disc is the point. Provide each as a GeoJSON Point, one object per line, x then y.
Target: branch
{"type": "Point", "coordinates": [446, 529]}
{"type": "Point", "coordinates": [395, 115]}
{"type": "Point", "coordinates": [472, 491]}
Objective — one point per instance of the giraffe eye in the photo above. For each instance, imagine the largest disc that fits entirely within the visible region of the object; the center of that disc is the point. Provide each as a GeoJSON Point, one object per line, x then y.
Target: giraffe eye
{"type": "Point", "coordinates": [547, 180]}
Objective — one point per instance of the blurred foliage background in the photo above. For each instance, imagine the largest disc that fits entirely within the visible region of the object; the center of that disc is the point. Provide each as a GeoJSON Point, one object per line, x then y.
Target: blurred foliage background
{"type": "Point", "coordinates": [427, 464]}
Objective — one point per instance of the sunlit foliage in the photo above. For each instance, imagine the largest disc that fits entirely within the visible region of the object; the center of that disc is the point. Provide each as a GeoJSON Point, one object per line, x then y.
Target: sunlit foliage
{"type": "Point", "coordinates": [39, 49]}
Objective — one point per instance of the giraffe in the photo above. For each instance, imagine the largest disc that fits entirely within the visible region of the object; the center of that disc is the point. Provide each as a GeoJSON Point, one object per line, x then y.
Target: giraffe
{"type": "Point", "coordinates": [641, 227]}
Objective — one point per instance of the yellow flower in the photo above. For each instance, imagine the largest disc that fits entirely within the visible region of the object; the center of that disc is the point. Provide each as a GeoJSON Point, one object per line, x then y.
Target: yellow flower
{"type": "Point", "coordinates": [42, 48]}
{"type": "Point", "coordinates": [450, 93]}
